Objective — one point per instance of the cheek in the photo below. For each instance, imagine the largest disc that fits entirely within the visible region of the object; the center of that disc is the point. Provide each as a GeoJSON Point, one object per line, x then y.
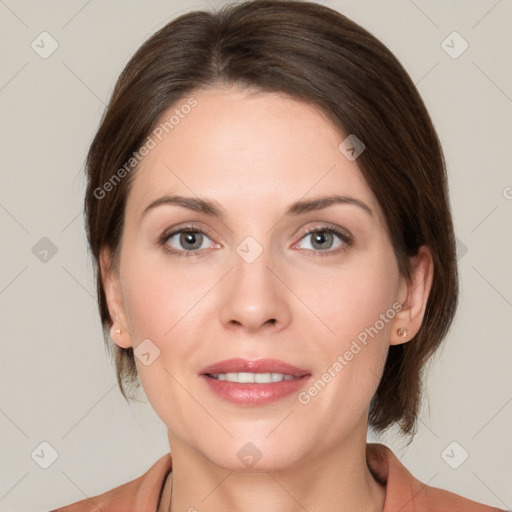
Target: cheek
{"type": "Point", "coordinates": [151, 306]}
{"type": "Point", "coordinates": [163, 304]}
{"type": "Point", "coordinates": [157, 296]}
{"type": "Point", "coordinates": [158, 303]}
{"type": "Point", "coordinates": [356, 298]}
{"type": "Point", "coordinates": [355, 306]}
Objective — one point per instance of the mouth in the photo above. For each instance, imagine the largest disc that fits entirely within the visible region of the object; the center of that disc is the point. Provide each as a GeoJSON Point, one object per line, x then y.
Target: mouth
{"type": "Point", "coordinates": [254, 382]}
{"type": "Point", "coordinates": [256, 370]}
{"type": "Point", "coordinates": [252, 378]}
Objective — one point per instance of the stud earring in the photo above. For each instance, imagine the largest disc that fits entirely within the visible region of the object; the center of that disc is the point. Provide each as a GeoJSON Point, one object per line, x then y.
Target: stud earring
{"type": "Point", "coordinates": [117, 331]}
{"type": "Point", "coordinates": [402, 332]}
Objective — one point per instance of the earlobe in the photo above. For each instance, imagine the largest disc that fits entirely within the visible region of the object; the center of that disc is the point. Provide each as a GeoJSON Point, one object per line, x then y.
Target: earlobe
{"type": "Point", "coordinates": [408, 320]}
{"type": "Point", "coordinates": [112, 287]}
{"type": "Point", "coordinates": [402, 332]}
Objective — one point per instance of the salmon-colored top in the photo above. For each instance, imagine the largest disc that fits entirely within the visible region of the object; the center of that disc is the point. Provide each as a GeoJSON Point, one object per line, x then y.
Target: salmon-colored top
{"type": "Point", "coordinates": [404, 493]}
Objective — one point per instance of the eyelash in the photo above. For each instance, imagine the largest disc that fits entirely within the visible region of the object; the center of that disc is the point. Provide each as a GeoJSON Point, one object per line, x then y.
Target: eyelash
{"type": "Point", "coordinates": [346, 239]}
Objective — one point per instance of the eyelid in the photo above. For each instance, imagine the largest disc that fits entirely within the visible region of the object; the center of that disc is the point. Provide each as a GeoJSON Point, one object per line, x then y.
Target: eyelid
{"type": "Point", "coordinates": [173, 231]}
{"type": "Point", "coordinates": [343, 234]}
{"type": "Point", "coordinates": [340, 231]}
{"type": "Point", "coordinates": [180, 228]}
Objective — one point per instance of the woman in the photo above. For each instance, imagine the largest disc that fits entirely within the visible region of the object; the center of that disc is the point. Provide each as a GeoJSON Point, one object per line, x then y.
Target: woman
{"type": "Point", "coordinates": [267, 209]}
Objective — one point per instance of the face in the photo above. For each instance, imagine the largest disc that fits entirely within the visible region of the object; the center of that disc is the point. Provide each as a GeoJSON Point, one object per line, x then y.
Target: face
{"type": "Point", "coordinates": [317, 289]}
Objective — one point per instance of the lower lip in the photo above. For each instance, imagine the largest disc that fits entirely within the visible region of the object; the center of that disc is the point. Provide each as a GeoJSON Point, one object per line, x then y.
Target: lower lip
{"type": "Point", "coordinates": [255, 394]}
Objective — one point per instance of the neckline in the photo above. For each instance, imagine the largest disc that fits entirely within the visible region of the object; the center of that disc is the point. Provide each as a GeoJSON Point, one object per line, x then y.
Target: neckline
{"type": "Point", "coordinates": [376, 461]}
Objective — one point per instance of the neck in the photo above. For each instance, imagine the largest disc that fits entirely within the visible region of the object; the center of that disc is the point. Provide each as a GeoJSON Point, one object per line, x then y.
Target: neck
{"type": "Point", "coordinates": [335, 480]}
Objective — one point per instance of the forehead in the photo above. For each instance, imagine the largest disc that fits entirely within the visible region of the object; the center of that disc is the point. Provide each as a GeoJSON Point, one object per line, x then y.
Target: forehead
{"type": "Point", "coordinates": [246, 148]}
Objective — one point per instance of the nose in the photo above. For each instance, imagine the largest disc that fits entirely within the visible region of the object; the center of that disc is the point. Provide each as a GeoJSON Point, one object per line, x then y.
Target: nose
{"type": "Point", "coordinates": [254, 296]}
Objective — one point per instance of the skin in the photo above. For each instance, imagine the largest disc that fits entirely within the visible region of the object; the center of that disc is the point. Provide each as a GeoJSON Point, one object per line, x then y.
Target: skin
{"type": "Point", "coordinates": [255, 153]}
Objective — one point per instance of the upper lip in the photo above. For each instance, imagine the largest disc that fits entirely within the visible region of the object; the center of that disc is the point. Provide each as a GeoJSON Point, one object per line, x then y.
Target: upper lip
{"type": "Point", "coordinates": [256, 366]}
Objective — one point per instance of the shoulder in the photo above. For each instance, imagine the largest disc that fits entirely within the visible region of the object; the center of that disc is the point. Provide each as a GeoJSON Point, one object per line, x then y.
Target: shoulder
{"type": "Point", "coordinates": [442, 500]}
{"type": "Point", "coordinates": [406, 493]}
{"type": "Point", "coordinates": [142, 493]}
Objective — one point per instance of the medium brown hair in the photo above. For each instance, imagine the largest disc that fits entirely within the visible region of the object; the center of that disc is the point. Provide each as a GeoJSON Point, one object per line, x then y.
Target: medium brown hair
{"type": "Point", "coordinates": [317, 55]}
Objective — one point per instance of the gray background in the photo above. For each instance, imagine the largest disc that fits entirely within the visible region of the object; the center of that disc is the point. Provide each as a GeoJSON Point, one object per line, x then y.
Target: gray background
{"type": "Point", "coordinates": [57, 383]}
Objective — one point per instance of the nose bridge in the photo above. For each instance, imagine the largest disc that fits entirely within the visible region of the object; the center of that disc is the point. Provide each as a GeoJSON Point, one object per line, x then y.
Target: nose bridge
{"type": "Point", "coordinates": [251, 277]}
{"type": "Point", "coordinates": [252, 296]}
{"type": "Point", "coordinates": [251, 263]}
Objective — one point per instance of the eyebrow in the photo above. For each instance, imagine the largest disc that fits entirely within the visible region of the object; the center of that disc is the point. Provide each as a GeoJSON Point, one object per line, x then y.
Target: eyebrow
{"type": "Point", "coordinates": [212, 208]}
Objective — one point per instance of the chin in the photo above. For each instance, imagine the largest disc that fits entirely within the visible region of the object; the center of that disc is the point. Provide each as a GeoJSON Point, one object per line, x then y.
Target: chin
{"type": "Point", "coordinates": [253, 454]}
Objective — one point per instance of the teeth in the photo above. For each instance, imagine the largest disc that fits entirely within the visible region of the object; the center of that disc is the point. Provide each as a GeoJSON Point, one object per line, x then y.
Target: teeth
{"type": "Point", "coordinates": [248, 377]}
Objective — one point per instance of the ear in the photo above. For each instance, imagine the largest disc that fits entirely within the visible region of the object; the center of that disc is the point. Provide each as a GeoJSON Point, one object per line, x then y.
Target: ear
{"type": "Point", "coordinates": [112, 287]}
{"type": "Point", "coordinates": [413, 295]}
